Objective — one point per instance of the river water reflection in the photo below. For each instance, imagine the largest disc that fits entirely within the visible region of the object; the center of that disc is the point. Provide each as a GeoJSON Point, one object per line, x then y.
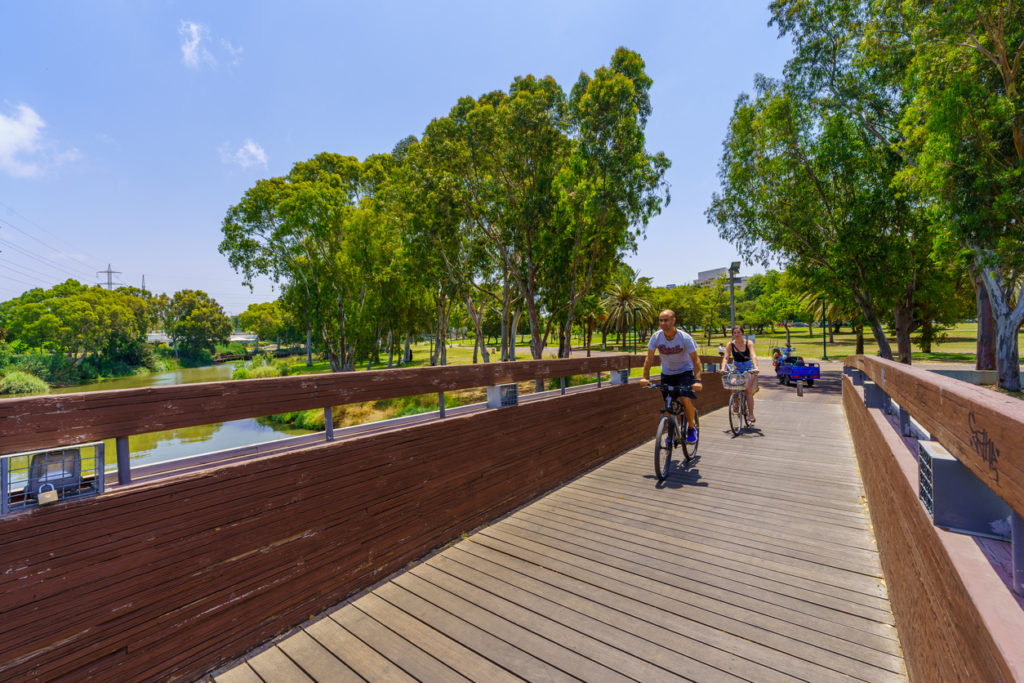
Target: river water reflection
{"type": "Point", "coordinates": [180, 443]}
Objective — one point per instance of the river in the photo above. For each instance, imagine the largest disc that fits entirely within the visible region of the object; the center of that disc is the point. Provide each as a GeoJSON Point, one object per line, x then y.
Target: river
{"type": "Point", "coordinates": [180, 443]}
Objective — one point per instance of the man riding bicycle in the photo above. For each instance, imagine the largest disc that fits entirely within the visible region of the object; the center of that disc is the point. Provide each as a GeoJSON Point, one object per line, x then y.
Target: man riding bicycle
{"type": "Point", "coordinates": [680, 364]}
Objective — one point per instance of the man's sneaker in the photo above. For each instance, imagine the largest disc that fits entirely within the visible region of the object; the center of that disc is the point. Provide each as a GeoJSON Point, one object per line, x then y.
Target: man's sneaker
{"type": "Point", "coordinates": [691, 435]}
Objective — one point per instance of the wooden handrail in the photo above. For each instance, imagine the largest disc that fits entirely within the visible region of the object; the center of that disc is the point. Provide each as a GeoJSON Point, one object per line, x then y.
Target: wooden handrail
{"type": "Point", "coordinates": [982, 428]}
{"type": "Point", "coordinates": [66, 419]}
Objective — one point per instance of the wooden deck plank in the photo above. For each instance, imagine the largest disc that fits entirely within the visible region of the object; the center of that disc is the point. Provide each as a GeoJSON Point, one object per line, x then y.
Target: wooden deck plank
{"type": "Point", "coordinates": [273, 665]}
{"type": "Point", "coordinates": [518, 662]}
{"type": "Point", "coordinates": [632, 649]}
{"type": "Point", "coordinates": [757, 562]}
{"type": "Point", "coordinates": [652, 596]}
{"type": "Point", "coordinates": [437, 644]}
{"type": "Point", "coordinates": [242, 673]}
{"type": "Point", "coordinates": [318, 662]}
{"type": "Point", "coordinates": [557, 654]}
{"type": "Point", "coordinates": [626, 561]}
{"type": "Point", "coordinates": [404, 654]}
{"type": "Point", "coordinates": [361, 658]}
{"type": "Point", "coordinates": [596, 661]}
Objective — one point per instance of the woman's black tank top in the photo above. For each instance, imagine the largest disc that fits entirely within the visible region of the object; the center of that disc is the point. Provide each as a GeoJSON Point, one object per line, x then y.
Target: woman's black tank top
{"type": "Point", "coordinates": [740, 356]}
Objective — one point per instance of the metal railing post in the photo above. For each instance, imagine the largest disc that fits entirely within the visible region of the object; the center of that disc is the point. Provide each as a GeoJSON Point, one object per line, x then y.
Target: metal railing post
{"type": "Point", "coordinates": [562, 380]}
{"type": "Point", "coordinates": [875, 396]}
{"type": "Point", "coordinates": [440, 404]}
{"type": "Point", "coordinates": [1017, 548]}
{"type": "Point", "coordinates": [100, 459]}
{"type": "Point", "coordinates": [124, 461]}
{"type": "Point", "coordinates": [5, 494]}
{"type": "Point", "coordinates": [598, 380]}
{"type": "Point", "coordinates": [329, 423]}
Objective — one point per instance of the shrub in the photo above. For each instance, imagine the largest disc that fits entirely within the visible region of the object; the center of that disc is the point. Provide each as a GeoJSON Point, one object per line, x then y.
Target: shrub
{"type": "Point", "coordinates": [256, 372]}
{"type": "Point", "coordinates": [16, 382]}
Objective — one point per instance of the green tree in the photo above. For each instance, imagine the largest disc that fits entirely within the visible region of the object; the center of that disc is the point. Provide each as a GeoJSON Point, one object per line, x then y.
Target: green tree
{"type": "Point", "coordinates": [966, 132]}
{"type": "Point", "coordinates": [196, 323]}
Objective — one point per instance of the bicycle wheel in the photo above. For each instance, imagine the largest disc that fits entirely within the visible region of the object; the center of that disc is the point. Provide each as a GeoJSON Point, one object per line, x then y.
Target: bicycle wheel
{"type": "Point", "coordinates": [663, 447]}
{"type": "Point", "coordinates": [735, 413]}
{"type": "Point", "coordinates": [690, 449]}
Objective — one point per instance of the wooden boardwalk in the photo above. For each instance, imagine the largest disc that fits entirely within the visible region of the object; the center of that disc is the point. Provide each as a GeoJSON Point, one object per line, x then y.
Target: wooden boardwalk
{"type": "Point", "coordinates": [756, 563]}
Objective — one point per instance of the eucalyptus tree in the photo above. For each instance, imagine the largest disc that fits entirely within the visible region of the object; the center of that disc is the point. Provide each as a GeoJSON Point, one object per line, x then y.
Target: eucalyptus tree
{"type": "Point", "coordinates": [609, 187]}
{"type": "Point", "coordinates": [966, 130]}
{"type": "Point", "coordinates": [317, 232]}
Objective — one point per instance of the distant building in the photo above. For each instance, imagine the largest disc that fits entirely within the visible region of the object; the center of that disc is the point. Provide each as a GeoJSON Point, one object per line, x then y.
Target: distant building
{"type": "Point", "coordinates": [671, 286]}
{"type": "Point", "coordinates": [706, 278]}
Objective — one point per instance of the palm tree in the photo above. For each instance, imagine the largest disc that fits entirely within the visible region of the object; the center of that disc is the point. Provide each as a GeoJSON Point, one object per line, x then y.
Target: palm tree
{"type": "Point", "coordinates": [625, 302]}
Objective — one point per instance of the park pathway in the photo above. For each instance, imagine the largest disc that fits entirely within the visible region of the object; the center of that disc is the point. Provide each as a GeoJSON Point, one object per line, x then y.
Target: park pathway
{"type": "Point", "coordinates": [757, 562]}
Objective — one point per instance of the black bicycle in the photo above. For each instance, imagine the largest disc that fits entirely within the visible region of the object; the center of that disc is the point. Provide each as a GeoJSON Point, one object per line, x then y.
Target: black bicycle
{"type": "Point", "coordinates": [671, 431]}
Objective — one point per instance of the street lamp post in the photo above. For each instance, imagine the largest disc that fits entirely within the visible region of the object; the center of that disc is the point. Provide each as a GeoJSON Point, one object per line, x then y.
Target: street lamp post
{"type": "Point", "coordinates": [636, 329]}
{"type": "Point", "coordinates": [824, 324]}
{"type": "Point", "coordinates": [734, 268]}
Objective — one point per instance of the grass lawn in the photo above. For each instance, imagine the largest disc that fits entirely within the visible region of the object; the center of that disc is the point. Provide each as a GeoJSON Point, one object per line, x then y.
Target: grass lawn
{"type": "Point", "coordinates": [958, 346]}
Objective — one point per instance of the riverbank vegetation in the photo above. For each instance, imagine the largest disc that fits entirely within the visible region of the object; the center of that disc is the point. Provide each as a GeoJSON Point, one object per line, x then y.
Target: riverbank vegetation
{"type": "Point", "coordinates": [72, 333]}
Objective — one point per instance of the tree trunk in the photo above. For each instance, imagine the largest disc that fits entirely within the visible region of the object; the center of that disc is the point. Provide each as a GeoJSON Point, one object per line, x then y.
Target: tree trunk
{"type": "Point", "coordinates": [590, 335]}
{"type": "Point", "coordinates": [985, 350]}
{"type": "Point", "coordinates": [391, 345]}
{"type": "Point", "coordinates": [1007, 354]}
{"type": "Point", "coordinates": [514, 334]}
{"type": "Point", "coordinates": [903, 319]}
{"type": "Point", "coordinates": [927, 336]}
{"type": "Point", "coordinates": [407, 356]}
{"type": "Point", "coordinates": [1008, 322]}
{"type": "Point", "coordinates": [860, 341]}
{"type": "Point", "coordinates": [787, 337]}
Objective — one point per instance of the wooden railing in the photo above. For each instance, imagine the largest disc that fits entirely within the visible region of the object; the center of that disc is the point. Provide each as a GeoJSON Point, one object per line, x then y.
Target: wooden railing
{"type": "Point", "coordinates": [955, 612]}
{"type": "Point", "coordinates": [173, 577]}
{"type": "Point", "coordinates": [982, 428]}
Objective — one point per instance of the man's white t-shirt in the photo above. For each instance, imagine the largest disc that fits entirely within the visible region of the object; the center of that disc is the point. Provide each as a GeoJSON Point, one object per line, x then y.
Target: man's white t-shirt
{"type": "Point", "coordinates": [675, 352]}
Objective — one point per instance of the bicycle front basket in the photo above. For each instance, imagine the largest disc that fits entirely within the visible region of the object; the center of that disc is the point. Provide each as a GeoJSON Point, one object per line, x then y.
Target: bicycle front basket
{"type": "Point", "coordinates": [733, 380]}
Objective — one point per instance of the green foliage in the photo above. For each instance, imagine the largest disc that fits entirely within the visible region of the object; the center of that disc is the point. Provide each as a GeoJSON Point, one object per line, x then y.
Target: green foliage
{"type": "Point", "coordinates": [258, 371]}
{"type": "Point", "coordinates": [196, 323]}
{"type": "Point", "coordinates": [17, 382]}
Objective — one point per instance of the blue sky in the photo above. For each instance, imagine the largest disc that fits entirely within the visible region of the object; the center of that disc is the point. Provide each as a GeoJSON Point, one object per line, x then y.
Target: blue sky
{"type": "Point", "coordinates": [128, 128]}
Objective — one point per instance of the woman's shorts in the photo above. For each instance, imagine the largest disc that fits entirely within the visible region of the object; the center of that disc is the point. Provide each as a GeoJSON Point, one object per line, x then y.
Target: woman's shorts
{"type": "Point", "coordinates": [745, 366]}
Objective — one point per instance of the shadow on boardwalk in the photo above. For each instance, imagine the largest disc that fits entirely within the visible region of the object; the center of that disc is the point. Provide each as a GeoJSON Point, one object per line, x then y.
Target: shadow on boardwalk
{"type": "Point", "coordinates": [754, 562]}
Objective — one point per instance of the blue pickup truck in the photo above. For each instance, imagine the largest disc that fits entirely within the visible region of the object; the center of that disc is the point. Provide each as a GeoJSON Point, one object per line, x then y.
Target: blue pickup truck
{"type": "Point", "coordinates": [790, 368]}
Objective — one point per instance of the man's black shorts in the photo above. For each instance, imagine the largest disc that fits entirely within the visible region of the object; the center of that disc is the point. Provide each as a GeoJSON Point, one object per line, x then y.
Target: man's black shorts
{"type": "Point", "coordinates": [683, 379]}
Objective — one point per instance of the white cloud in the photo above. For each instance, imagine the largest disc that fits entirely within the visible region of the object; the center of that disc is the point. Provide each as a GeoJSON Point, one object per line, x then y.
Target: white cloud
{"type": "Point", "coordinates": [248, 155]}
{"type": "Point", "coordinates": [198, 48]}
{"type": "Point", "coordinates": [235, 53]}
{"type": "Point", "coordinates": [193, 52]}
{"type": "Point", "coordinates": [24, 152]}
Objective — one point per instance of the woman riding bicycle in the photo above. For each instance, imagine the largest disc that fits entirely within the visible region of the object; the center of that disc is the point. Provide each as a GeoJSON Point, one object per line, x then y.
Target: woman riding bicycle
{"type": "Point", "coordinates": [741, 354]}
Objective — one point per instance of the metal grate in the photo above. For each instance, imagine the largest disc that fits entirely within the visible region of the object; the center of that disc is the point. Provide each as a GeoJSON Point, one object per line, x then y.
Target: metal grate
{"type": "Point", "coordinates": [70, 472]}
{"type": "Point", "coordinates": [509, 395]}
{"type": "Point", "coordinates": [925, 488]}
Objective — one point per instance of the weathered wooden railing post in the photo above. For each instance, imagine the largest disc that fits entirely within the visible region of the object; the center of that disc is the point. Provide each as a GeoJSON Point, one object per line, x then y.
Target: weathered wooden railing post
{"type": "Point", "coordinates": [124, 461]}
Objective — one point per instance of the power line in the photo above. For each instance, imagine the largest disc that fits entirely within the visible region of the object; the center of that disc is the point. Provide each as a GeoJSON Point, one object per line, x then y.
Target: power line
{"type": "Point", "coordinates": [30, 235]}
{"type": "Point", "coordinates": [42, 229]}
{"type": "Point", "coordinates": [21, 270]}
{"type": "Point", "coordinates": [49, 264]}
{"type": "Point", "coordinates": [12, 279]}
